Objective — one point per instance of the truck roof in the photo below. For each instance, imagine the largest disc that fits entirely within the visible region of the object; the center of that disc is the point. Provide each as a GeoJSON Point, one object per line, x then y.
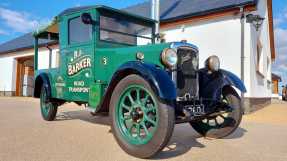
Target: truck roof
{"type": "Point", "coordinates": [53, 26]}
{"type": "Point", "coordinates": [103, 7]}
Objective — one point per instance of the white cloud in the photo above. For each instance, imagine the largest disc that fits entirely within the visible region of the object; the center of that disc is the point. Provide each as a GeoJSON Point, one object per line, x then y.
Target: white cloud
{"type": "Point", "coordinates": [278, 21]}
{"type": "Point", "coordinates": [281, 37]}
{"type": "Point", "coordinates": [78, 5]}
{"type": "Point", "coordinates": [20, 21]}
{"type": "Point", "coordinates": [2, 32]}
{"type": "Point", "coordinates": [281, 45]}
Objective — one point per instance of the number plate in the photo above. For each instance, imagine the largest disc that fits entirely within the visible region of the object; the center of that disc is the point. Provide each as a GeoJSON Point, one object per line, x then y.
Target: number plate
{"type": "Point", "coordinates": [196, 110]}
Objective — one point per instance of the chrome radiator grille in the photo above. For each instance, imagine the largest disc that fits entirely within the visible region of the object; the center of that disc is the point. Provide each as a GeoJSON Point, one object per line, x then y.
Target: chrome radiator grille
{"type": "Point", "coordinates": [187, 77]}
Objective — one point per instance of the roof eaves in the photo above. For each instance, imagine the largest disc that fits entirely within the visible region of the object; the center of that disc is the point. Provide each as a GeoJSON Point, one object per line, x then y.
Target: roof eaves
{"type": "Point", "coordinates": [221, 9]}
{"type": "Point", "coordinates": [28, 47]}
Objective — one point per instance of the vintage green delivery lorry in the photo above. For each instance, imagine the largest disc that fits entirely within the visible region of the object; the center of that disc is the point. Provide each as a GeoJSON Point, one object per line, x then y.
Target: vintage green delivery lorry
{"type": "Point", "coordinates": [108, 61]}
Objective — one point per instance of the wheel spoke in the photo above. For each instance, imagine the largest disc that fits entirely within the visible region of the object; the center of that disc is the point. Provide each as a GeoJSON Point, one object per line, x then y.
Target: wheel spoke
{"type": "Point", "coordinates": [145, 99]}
{"type": "Point", "coordinates": [131, 98]}
{"type": "Point", "coordinates": [150, 109]}
{"type": "Point", "coordinates": [222, 116]}
{"type": "Point", "coordinates": [131, 129]}
{"type": "Point", "coordinates": [145, 128]}
{"type": "Point", "coordinates": [138, 95]}
{"type": "Point", "coordinates": [150, 120]}
{"type": "Point", "coordinates": [216, 122]}
{"type": "Point", "coordinates": [138, 130]}
{"type": "Point", "coordinates": [125, 118]}
{"type": "Point", "coordinates": [126, 107]}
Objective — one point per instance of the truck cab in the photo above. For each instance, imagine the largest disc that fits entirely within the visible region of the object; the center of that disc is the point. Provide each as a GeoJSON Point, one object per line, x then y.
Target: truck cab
{"type": "Point", "coordinates": [88, 41]}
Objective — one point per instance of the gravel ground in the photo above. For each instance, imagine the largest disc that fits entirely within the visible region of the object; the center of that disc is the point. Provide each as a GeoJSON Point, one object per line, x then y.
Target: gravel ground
{"type": "Point", "coordinates": [77, 136]}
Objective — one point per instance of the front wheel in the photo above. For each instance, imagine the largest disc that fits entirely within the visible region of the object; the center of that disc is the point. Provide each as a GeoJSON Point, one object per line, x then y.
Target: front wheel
{"type": "Point", "coordinates": [48, 109]}
{"type": "Point", "coordinates": [141, 124]}
{"type": "Point", "coordinates": [224, 124]}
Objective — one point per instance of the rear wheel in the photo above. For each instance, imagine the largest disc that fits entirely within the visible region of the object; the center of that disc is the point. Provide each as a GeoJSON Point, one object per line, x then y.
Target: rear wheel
{"type": "Point", "coordinates": [48, 109]}
{"type": "Point", "coordinates": [225, 123]}
{"type": "Point", "coordinates": [141, 124]}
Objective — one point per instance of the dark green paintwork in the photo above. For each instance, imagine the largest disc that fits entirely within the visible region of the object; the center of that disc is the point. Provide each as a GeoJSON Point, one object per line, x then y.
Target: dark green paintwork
{"type": "Point", "coordinates": [105, 59]}
{"type": "Point", "coordinates": [96, 93]}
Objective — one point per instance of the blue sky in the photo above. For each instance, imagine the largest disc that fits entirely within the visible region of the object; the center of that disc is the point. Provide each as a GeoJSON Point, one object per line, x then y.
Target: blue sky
{"type": "Point", "coordinates": [21, 16]}
{"type": "Point", "coordinates": [280, 31]}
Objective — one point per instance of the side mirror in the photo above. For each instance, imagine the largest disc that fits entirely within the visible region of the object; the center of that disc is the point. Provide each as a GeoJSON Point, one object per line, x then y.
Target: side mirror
{"type": "Point", "coordinates": [87, 18]}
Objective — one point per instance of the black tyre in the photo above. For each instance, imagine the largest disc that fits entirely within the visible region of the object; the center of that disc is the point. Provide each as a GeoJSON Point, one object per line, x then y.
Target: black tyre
{"type": "Point", "coordinates": [224, 124]}
{"type": "Point", "coordinates": [141, 124]}
{"type": "Point", "coordinates": [48, 109]}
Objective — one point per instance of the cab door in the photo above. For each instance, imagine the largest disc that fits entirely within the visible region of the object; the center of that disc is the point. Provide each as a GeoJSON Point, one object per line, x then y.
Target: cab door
{"type": "Point", "coordinates": [78, 54]}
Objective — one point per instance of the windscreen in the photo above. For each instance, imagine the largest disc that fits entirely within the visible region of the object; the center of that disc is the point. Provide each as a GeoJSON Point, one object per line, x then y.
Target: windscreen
{"type": "Point", "coordinates": [124, 31]}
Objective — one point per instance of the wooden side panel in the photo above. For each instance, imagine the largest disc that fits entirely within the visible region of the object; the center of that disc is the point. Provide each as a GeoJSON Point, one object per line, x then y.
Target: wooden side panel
{"type": "Point", "coordinates": [18, 78]}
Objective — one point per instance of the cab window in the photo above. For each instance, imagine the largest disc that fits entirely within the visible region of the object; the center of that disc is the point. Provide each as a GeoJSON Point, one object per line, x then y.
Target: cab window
{"type": "Point", "coordinates": [78, 31]}
{"type": "Point", "coordinates": [118, 29]}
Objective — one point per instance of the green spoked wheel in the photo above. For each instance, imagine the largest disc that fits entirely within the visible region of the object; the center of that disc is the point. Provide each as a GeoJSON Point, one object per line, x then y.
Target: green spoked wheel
{"type": "Point", "coordinates": [225, 123]}
{"type": "Point", "coordinates": [137, 115]}
{"type": "Point", "coordinates": [141, 124]}
{"type": "Point", "coordinates": [48, 109]}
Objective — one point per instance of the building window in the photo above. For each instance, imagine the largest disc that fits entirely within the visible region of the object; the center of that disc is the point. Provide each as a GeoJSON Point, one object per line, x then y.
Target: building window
{"type": "Point", "coordinates": [259, 59]}
{"type": "Point", "coordinates": [78, 31]}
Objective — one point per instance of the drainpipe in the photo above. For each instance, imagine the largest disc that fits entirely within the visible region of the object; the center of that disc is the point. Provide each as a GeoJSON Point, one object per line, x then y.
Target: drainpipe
{"type": "Point", "coordinates": [155, 14]}
{"type": "Point", "coordinates": [242, 21]}
{"type": "Point", "coordinates": [50, 56]}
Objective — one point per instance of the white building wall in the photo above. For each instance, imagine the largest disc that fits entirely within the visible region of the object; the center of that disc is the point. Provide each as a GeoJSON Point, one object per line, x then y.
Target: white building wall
{"type": "Point", "coordinates": [8, 65]}
{"type": "Point", "coordinates": [8, 69]}
{"type": "Point", "coordinates": [261, 84]}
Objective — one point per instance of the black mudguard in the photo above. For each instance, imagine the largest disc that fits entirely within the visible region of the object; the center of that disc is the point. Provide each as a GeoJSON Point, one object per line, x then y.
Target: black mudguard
{"type": "Point", "coordinates": [42, 79]}
{"type": "Point", "coordinates": [211, 85]}
{"type": "Point", "coordinates": [159, 80]}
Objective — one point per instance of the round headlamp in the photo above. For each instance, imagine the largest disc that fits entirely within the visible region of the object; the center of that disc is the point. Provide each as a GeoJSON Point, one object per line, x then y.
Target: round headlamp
{"type": "Point", "coordinates": [169, 57]}
{"type": "Point", "coordinates": [212, 63]}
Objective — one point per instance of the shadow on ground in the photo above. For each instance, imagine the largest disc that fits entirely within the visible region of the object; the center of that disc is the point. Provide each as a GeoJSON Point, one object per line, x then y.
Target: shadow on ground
{"type": "Point", "coordinates": [183, 140]}
{"type": "Point", "coordinates": [101, 119]}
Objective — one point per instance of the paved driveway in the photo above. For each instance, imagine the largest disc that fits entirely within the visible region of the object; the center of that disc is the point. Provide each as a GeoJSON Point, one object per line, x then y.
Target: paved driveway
{"type": "Point", "coordinates": [76, 136]}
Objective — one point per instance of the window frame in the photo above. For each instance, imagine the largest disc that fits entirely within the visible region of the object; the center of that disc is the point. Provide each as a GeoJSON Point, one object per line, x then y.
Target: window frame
{"type": "Point", "coordinates": [69, 29]}
{"type": "Point", "coordinates": [110, 15]}
{"type": "Point", "coordinates": [259, 54]}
